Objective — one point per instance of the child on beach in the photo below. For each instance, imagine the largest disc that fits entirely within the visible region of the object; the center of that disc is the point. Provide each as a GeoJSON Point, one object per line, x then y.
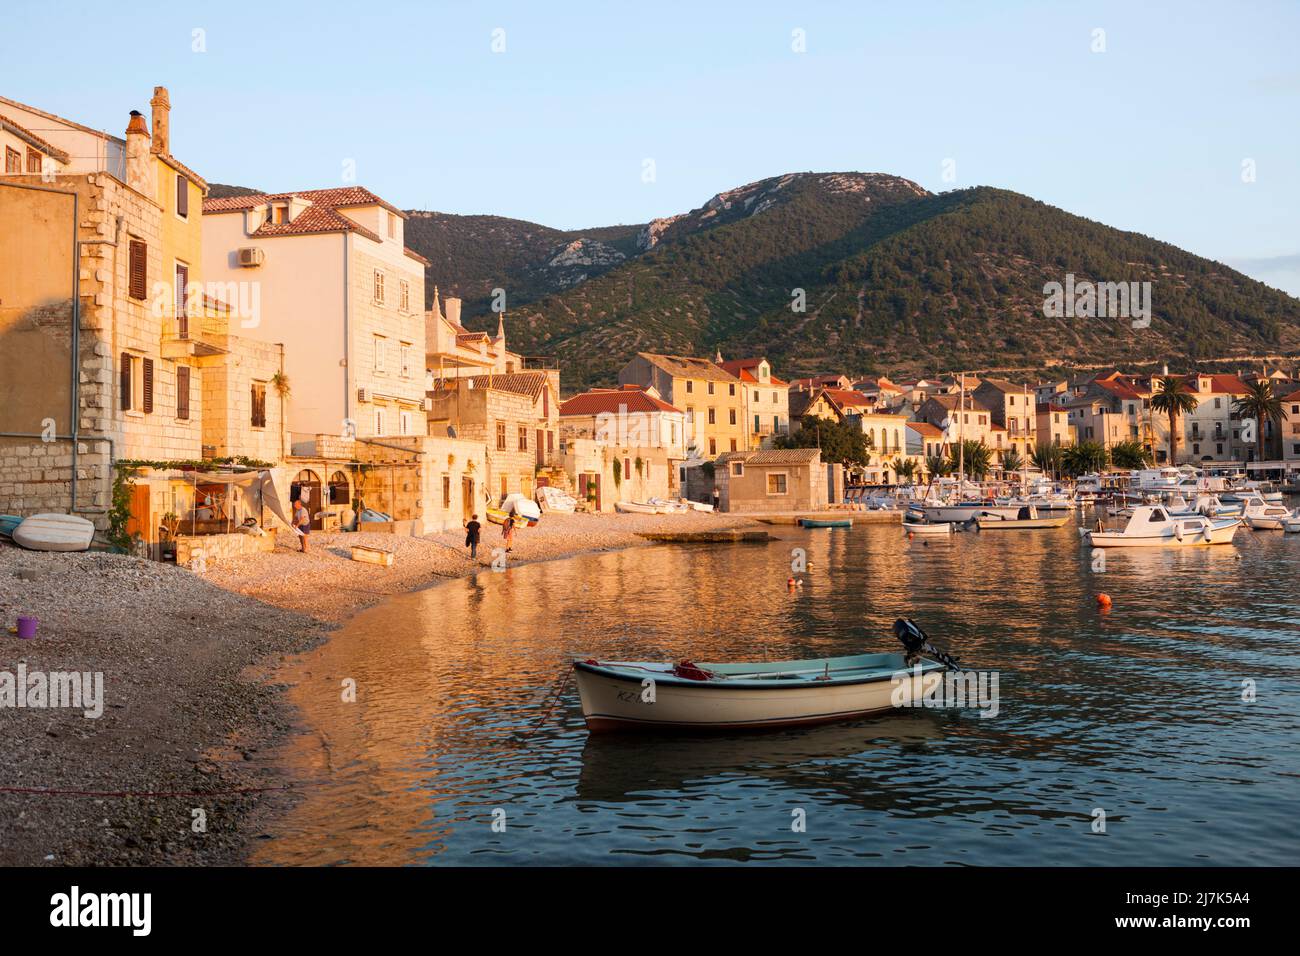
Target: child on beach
{"type": "Point", "coordinates": [508, 531]}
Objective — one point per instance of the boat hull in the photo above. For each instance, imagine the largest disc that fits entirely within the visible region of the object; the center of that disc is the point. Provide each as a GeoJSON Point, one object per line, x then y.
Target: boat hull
{"type": "Point", "coordinates": [1020, 524]}
{"type": "Point", "coordinates": [962, 513]}
{"type": "Point", "coordinates": [826, 522]}
{"type": "Point", "coordinates": [1115, 539]}
{"type": "Point", "coordinates": [919, 528]}
{"type": "Point", "coordinates": [617, 702]}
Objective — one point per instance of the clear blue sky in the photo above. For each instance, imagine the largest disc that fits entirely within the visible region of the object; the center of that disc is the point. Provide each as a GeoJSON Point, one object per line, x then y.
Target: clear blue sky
{"type": "Point", "coordinates": [1149, 135]}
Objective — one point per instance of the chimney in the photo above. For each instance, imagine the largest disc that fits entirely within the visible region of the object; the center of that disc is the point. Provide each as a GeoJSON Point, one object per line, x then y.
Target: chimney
{"type": "Point", "coordinates": [139, 161]}
{"type": "Point", "coordinates": [162, 107]}
{"type": "Point", "coordinates": [452, 308]}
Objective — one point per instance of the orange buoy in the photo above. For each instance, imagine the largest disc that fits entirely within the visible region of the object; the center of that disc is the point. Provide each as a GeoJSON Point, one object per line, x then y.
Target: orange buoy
{"type": "Point", "coordinates": [1103, 602]}
{"type": "Point", "coordinates": [790, 582]}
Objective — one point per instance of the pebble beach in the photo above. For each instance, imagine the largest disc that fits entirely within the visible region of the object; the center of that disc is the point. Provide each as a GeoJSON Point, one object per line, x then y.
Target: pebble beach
{"type": "Point", "coordinates": [177, 768]}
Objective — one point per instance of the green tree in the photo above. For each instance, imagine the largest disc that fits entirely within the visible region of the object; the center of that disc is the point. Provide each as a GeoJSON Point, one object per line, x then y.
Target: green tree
{"type": "Point", "coordinates": [977, 457]}
{"type": "Point", "coordinates": [1262, 404]}
{"type": "Point", "coordinates": [1173, 396]}
{"type": "Point", "coordinates": [1048, 458]}
{"type": "Point", "coordinates": [1012, 460]}
{"type": "Point", "coordinates": [1129, 454]}
{"type": "Point", "coordinates": [905, 470]}
{"type": "Point", "coordinates": [1083, 458]}
{"type": "Point", "coordinates": [842, 442]}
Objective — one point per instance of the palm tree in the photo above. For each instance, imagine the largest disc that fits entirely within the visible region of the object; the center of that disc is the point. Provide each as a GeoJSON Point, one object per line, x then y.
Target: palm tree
{"type": "Point", "coordinates": [905, 470]}
{"type": "Point", "coordinates": [1129, 454]}
{"type": "Point", "coordinates": [937, 466]}
{"type": "Point", "coordinates": [1012, 460]}
{"type": "Point", "coordinates": [1173, 396]}
{"type": "Point", "coordinates": [1262, 404]}
{"type": "Point", "coordinates": [978, 457]}
{"type": "Point", "coordinates": [1047, 458]}
{"type": "Point", "coordinates": [1083, 458]}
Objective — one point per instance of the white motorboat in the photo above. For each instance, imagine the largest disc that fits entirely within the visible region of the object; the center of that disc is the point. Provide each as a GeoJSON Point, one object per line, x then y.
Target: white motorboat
{"type": "Point", "coordinates": [965, 510]}
{"type": "Point", "coordinates": [1268, 517]}
{"type": "Point", "coordinates": [1151, 526]}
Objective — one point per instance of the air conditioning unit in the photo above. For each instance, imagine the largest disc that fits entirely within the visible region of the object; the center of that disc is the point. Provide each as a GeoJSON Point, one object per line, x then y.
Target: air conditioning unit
{"type": "Point", "coordinates": [428, 404]}
{"type": "Point", "coordinates": [251, 256]}
{"type": "Point", "coordinates": [365, 394]}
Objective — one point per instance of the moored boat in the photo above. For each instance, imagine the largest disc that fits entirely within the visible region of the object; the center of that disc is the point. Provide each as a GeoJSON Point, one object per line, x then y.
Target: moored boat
{"type": "Point", "coordinates": [635, 508]}
{"type": "Point", "coordinates": [1151, 526]}
{"type": "Point", "coordinates": [643, 695]}
{"type": "Point", "coordinates": [1027, 520]}
{"type": "Point", "coordinates": [54, 532]}
{"type": "Point", "coordinates": [927, 527]}
{"type": "Point", "coordinates": [826, 522]}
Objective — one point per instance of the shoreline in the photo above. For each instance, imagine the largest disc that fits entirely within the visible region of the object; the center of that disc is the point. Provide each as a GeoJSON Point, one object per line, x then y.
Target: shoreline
{"type": "Point", "coordinates": [192, 708]}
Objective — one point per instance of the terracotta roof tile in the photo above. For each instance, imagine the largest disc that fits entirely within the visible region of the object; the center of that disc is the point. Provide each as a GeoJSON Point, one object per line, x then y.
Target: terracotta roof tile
{"type": "Point", "coordinates": [613, 401]}
{"type": "Point", "coordinates": [334, 198]}
{"type": "Point", "coordinates": [685, 366]}
{"type": "Point", "coordinates": [32, 139]}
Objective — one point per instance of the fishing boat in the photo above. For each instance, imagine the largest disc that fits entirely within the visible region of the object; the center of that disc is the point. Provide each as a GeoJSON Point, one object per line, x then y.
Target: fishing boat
{"type": "Point", "coordinates": [1268, 517]}
{"type": "Point", "coordinates": [1151, 526]}
{"type": "Point", "coordinates": [1027, 519]}
{"type": "Point", "coordinates": [635, 508]}
{"type": "Point", "coordinates": [826, 522]}
{"type": "Point", "coordinates": [643, 695]}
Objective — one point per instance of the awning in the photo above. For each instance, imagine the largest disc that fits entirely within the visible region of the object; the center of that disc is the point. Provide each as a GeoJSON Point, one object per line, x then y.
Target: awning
{"type": "Point", "coordinates": [258, 484]}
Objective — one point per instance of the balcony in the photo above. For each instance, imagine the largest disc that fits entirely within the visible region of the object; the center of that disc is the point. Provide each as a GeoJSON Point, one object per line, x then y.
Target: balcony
{"type": "Point", "coordinates": [192, 337]}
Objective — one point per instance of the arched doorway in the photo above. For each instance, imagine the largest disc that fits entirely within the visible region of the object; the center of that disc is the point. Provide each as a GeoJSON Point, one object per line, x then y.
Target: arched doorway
{"type": "Point", "coordinates": [340, 490]}
{"type": "Point", "coordinates": [307, 485]}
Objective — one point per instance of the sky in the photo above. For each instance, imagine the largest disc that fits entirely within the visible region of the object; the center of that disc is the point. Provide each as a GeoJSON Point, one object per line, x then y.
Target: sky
{"type": "Point", "coordinates": [1179, 120]}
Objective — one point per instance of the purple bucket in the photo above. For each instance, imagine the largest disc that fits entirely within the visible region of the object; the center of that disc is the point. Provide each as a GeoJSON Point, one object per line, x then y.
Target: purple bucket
{"type": "Point", "coordinates": [27, 628]}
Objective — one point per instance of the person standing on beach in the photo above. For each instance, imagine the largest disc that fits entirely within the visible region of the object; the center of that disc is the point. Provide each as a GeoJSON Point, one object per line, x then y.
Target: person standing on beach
{"type": "Point", "coordinates": [302, 522]}
{"type": "Point", "coordinates": [472, 529]}
{"type": "Point", "coordinates": [717, 497]}
{"type": "Point", "coordinates": [508, 531]}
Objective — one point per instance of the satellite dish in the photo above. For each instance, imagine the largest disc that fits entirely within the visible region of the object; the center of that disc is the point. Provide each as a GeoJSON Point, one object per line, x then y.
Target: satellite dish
{"type": "Point", "coordinates": [451, 431]}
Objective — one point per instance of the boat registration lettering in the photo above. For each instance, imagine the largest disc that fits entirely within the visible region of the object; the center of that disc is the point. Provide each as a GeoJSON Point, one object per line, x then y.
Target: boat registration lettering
{"type": "Point", "coordinates": [646, 695]}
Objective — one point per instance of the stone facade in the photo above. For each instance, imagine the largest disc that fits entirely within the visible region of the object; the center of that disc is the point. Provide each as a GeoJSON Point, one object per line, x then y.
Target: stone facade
{"type": "Point", "coordinates": [768, 481]}
{"type": "Point", "coordinates": [230, 380]}
{"type": "Point", "coordinates": [435, 482]}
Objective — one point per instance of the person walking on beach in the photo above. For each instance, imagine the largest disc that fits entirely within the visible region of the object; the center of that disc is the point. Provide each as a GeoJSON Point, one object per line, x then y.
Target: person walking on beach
{"type": "Point", "coordinates": [302, 522]}
{"type": "Point", "coordinates": [472, 529]}
{"type": "Point", "coordinates": [508, 531]}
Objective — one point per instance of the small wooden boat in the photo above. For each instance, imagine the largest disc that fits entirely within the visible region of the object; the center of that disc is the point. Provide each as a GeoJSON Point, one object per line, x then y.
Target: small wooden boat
{"type": "Point", "coordinates": [826, 522]}
{"type": "Point", "coordinates": [927, 527]}
{"type": "Point", "coordinates": [635, 508]}
{"type": "Point", "coordinates": [627, 695]}
{"type": "Point", "coordinates": [1026, 520]}
{"type": "Point", "coordinates": [1153, 527]}
{"type": "Point", "coordinates": [54, 532]}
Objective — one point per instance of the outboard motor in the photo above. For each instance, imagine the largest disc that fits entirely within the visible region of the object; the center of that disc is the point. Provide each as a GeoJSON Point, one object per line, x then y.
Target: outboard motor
{"type": "Point", "coordinates": [915, 642]}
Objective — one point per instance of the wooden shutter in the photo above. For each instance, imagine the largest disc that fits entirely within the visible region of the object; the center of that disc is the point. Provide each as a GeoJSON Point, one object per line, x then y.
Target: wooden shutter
{"type": "Point", "coordinates": [182, 291]}
{"type": "Point", "coordinates": [124, 382]}
{"type": "Point", "coordinates": [148, 385]}
{"type": "Point", "coordinates": [183, 392]}
{"type": "Point", "coordinates": [139, 268]}
{"type": "Point", "coordinates": [182, 196]}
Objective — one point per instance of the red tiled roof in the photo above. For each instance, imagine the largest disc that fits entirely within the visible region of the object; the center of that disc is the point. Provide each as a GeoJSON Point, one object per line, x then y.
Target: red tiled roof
{"type": "Point", "coordinates": [521, 383]}
{"type": "Point", "coordinates": [1293, 397]}
{"type": "Point", "coordinates": [847, 397]}
{"type": "Point", "coordinates": [925, 428]}
{"type": "Point", "coordinates": [32, 139]}
{"type": "Point", "coordinates": [613, 401]}
{"type": "Point", "coordinates": [1118, 387]}
{"type": "Point", "coordinates": [312, 220]}
{"type": "Point", "coordinates": [334, 198]}
{"type": "Point", "coordinates": [1225, 384]}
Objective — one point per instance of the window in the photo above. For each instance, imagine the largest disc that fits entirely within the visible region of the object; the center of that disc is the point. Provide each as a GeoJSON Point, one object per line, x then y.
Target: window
{"type": "Point", "coordinates": [392, 226]}
{"type": "Point", "coordinates": [182, 196]}
{"type": "Point", "coordinates": [713, 446]}
{"type": "Point", "coordinates": [776, 423]}
{"type": "Point", "coordinates": [404, 422]}
{"type": "Point", "coordinates": [501, 436]}
{"type": "Point", "coordinates": [690, 386]}
{"type": "Point", "coordinates": [737, 469]}
{"type": "Point", "coordinates": [710, 388]}
{"type": "Point", "coordinates": [182, 290]}
{"type": "Point", "coordinates": [776, 484]}
{"type": "Point", "coordinates": [505, 487]}
{"type": "Point", "coordinates": [33, 161]}
{"type": "Point", "coordinates": [379, 287]}
{"type": "Point", "coordinates": [733, 445]}
{"type": "Point", "coordinates": [13, 161]}
{"type": "Point", "coordinates": [446, 492]}
{"type": "Point", "coordinates": [258, 395]}
{"type": "Point", "coordinates": [404, 295]}
{"type": "Point", "coordinates": [381, 347]}
{"type": "Point", "coordinates": [138, 257]}
{"type": "Point", "coordinates": [731, 389]}
{"type": "Point", "coordinates": [774, 398]}
{"type": "Point", "coordinates": [732, 416]}
{"type": "Point", "coordinates": [405, 355]}
{"type": "Point", "coordinates": [380, 427]}
{"type": "Point", "coordinates": [550, 441]}
{"type": "Point", "coordinates": [757, 426]}
{"type": "Point", "coordinates": [183, 392]}
{"type": "Point", "coordinates": [135, 383]}
{"type": "Point", "coordinates": [712, 417]}
{"type": "Point", "coordinates": [523, 438]}
{"type": "Point", "coordinates": [757, 397]}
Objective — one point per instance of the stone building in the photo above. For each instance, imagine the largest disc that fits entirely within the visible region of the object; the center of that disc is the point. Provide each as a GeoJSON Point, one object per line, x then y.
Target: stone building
{"type": "Point", "coordinates": [792, 479]}
{"type": "Point", "coordinates": [712, 398]}
{"type": "Point", "coordinates": [514, 416]}
{"type": "Point", "coordinates": [105, 315]}
{"type": "Point", "coordinates": [767, 399]}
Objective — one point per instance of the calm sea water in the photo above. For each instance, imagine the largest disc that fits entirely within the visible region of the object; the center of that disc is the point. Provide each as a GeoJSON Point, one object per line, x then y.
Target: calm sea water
{"type": "Point", "coordinates": [1137, 712]}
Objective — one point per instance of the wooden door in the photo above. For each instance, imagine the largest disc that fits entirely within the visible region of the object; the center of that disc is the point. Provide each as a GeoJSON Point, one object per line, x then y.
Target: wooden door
{"type": "Point", "coordinates": [467, 497]}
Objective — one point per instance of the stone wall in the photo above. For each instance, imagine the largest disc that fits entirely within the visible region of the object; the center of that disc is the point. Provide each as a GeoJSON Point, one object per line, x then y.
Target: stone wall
{"type": "Point", "coordinates": [475, 414]}
{"type": "Point", "coordinates": [228, 400]}
{"type": "Point", "coordinates": [423, 479]}
{"type": "Point", "coordinates": [392, 391]}
{"type": "Point", "coordinates": [198, 552]}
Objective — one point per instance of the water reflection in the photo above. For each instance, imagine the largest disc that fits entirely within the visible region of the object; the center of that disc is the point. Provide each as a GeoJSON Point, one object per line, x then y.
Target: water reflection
{"type": "Point", "coordinates": [1138, 711]}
